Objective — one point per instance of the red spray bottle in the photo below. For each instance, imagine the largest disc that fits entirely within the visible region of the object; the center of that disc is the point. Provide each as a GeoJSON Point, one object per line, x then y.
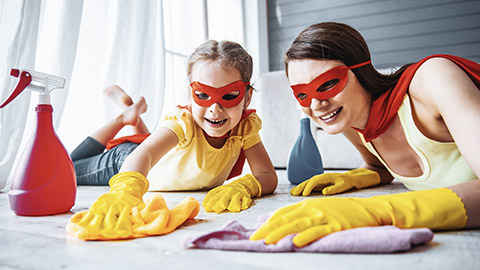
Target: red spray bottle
{"type": "Point", "coordinates": [44, 181]}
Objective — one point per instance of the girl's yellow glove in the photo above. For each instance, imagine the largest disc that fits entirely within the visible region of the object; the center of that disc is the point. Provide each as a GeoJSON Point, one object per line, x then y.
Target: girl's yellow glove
{"type": "Point", "coordinates": [334, 183]}
{"type": "Point", "coordinates": [122, 214]}
{"type": "Point", "coordinates": [233, 197]}
{"type": "Point", "coordinates": [312, 219]}
{"type": "Point", "coordinates": [109, 217]}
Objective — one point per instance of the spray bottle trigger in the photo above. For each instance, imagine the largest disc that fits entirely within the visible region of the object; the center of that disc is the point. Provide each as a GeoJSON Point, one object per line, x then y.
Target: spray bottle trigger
{"type": "Point", "coordinates": [25, 80]}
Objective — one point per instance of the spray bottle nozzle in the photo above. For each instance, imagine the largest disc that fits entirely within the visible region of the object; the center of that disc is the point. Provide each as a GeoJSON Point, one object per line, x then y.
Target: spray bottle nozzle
{"type": "Point", "coordinates": [15, 72]}
{"type": "Point", "coordinates": [35, 81]}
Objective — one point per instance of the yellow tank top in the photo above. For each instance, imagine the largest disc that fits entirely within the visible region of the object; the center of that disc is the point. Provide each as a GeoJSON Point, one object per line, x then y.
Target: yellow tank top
{"type": "Point", "coordinates": [443, 163]}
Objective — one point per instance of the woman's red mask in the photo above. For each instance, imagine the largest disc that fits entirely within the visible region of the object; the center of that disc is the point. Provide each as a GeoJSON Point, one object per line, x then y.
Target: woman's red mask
{"type": "Point", "coordinates": [325, 86]}
{"type": "Point", "coordinates": [205, 95]}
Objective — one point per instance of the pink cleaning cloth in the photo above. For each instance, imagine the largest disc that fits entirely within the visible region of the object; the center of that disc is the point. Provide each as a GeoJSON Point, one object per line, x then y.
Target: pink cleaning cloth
{"type": "Point", "coordinates": [382, 239]}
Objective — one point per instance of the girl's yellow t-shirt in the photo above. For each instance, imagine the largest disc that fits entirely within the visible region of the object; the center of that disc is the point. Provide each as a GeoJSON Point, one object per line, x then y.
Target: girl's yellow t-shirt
{"type": "Point", "coordinates": [193, 164]}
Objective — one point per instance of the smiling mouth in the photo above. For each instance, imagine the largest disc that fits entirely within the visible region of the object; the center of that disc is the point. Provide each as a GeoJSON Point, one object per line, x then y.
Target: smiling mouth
{"type": "Point", "coordinates": [330, 115]}
{"type": "Point", "coordinates": [216, 122]}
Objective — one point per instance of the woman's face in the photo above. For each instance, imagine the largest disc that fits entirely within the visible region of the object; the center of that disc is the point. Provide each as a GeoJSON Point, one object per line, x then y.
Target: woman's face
{"type": "Point", "coordinates": [216, 120]}
{"type": "Point", "coordinates": [347, 109]}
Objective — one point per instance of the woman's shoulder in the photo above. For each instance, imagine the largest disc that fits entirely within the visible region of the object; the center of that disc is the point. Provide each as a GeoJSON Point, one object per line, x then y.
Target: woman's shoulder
{"type": "Point", "coordinates": [432, 67]}
{"type": "Point", "coordinates": [439, 90]}
{"type": "Point", "coordinates": [432, 79]}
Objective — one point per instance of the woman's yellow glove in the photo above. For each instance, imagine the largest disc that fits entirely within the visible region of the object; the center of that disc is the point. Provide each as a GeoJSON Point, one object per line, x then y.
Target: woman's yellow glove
{"type": "Point", "coordinates": [109, 217]}
{"type": "Point", "coordinates": [154, 217]}
{"type": "Point", "coordinates": [233, 197]}
{"type": "Point", "coordinates": [312, 219]}
{"type": "Point", "coordinates": [334, 183]}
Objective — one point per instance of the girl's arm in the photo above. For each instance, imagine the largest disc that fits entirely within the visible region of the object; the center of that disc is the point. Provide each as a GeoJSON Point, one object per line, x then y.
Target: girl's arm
{"type": "Point", "coordinates": [149, 152]}
{"type": "Point", "coordinates": [237, 195]}
{"type": "Point", "coordinates": [445, 91]}
{"type": "Point", "coordinates": [262, 167]}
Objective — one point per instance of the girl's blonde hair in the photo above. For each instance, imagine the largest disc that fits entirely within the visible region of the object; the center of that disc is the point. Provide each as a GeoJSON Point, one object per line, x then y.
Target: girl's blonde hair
{"type": "Point", "coordinates": [226, 53]}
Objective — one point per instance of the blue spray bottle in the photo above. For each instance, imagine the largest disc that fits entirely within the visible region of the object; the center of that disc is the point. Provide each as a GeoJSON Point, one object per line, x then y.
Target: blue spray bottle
{"type": "Point", "coordinates": [305, 160]}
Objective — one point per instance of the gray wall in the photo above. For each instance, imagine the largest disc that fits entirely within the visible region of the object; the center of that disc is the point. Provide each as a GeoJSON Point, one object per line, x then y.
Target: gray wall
{"type": "Point", "coordinates": [397, 31]}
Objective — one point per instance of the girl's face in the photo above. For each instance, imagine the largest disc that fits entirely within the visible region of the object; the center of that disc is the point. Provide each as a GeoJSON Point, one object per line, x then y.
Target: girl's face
{"type": "Point", "coordinates": [349, 108]}
{"type": "Point", "coordinates": [216, 120]}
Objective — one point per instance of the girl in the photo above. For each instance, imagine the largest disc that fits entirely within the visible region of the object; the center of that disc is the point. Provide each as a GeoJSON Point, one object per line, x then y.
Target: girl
{"type": "Point", "coordinates": [419, 125]}
{"type": "Point", "coordinates": [195, 148]}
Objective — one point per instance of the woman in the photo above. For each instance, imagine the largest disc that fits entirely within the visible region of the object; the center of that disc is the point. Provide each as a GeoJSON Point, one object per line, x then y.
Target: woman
{"type": "Point", "coordinates": [419, 125]}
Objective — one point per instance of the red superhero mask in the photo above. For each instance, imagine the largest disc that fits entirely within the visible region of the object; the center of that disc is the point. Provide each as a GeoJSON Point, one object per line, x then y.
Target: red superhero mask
{"type": "Point", "coordinates": [325, 86]}
{"type": "Point", "coordinates": [205, 95]}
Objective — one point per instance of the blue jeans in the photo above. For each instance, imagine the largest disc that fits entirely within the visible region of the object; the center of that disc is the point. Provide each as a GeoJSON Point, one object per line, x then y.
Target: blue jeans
{"type": "Point", "coordinates": [95, 166]}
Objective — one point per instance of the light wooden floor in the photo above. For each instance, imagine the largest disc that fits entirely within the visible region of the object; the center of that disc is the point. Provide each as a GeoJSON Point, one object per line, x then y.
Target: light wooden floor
{"type": "Point", "coordinates": [42, 243]}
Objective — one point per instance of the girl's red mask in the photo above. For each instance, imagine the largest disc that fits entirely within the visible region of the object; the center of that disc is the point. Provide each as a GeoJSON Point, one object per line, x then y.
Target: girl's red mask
{"type": "Point", "coordinates": [205, 95]}
{"type": "Point", "coordinates": [325, 86]}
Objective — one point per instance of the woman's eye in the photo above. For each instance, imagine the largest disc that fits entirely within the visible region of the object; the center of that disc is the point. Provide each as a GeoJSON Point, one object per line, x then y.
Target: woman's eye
{"type": "Point", "coordinates": [302, 96]}
{"type": "Point", "coordinates": [231, 95]}
{"type": "Point", "coordinates": [328, 85]}
{"type": "Point", "coordinates": [201, 95]}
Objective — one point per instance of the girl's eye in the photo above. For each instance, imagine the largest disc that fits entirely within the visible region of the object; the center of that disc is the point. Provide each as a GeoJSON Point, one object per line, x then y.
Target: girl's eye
{"type": "Point", "coordinates": [302, 96]}
{"type": "Point", "coordinates": [231, 95]}
{"type": "Point", "coordinates": [328, 85]}
{"type": "Point", "coordinates": [202, 96]}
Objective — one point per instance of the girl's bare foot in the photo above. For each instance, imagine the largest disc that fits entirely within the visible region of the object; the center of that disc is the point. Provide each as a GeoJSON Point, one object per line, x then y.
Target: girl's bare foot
{"type": "Point", "coordinates": [119, 96]}
{"type": "Point", "coordinates": [131, 115]}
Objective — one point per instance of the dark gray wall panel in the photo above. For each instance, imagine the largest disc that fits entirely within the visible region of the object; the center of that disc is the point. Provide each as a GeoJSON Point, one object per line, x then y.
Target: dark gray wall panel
{"type": "Point", "coordinates": [397, 32]}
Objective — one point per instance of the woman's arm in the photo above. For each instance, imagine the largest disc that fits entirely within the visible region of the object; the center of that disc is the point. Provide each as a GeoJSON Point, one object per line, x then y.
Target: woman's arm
{"type": "Point", "coordinates": [150, 151]}
{"type": "Point", "coordinates": [262, 167]}
{"type": "Point", "coordinates": [469, 192]}
{"type": "Point", "coordinates": [369, 161]}
{"type": "Point", "coordinates": [444, 91]}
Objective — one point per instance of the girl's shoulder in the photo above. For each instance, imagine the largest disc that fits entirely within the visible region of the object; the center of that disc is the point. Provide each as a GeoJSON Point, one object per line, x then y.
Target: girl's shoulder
{"type": "Point", "coordinates": [251, 118]}
{"type": "Point", "coordinates": [181, 114]}
{"type": "Point", "coordinates": [179, 121]}
{"type": "Point", "coordinates": [250, 123]}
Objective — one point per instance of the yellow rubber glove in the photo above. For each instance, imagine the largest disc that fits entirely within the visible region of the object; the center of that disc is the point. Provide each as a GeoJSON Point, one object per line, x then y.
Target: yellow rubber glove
{"type": "Point", "coordinates": [312, 219]}
{"type": "Point", "coordinates": [334, 183]}
{"type": "Point", "coordinates": [154, 217]}
{"type": "Point", "coordinates": [233, 197]}
{"type": "Point", "coordinates": [109, 217]}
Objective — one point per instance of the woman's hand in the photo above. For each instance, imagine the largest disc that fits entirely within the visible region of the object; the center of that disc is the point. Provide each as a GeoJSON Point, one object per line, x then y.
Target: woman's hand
{"type": "Point", "coordinates": [334, 183]}
{"type": "Point", "coordinates": [312, 219]}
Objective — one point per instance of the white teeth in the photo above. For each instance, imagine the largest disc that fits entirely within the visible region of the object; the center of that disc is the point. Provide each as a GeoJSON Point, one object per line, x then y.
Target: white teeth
{"type": "Point", "coordinates": [325, 117]}
{"type": "Point", "coordinates": [215, 121]}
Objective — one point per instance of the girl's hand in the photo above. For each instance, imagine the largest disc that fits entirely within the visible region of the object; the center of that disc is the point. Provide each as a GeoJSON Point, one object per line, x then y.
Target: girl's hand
{"type": "Point", "coordinates": [233, 197]}
{"type": "Point", "coordinates": [109, 217]}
